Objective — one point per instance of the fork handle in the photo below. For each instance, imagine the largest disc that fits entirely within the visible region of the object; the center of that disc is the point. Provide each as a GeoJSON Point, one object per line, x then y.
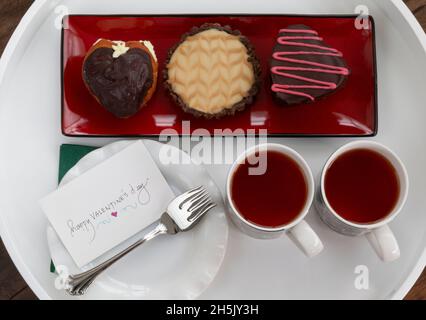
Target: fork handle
{"type": "Point", "coordinates": [77, 284]}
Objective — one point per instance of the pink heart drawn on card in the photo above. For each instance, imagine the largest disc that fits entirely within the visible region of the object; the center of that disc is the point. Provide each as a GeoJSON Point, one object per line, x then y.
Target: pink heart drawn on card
{"type": "Point", "coordinates": [114, 214]}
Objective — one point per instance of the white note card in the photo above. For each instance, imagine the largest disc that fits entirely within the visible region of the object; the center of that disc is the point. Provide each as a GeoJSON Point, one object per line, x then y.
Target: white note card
{"type": "Point", "coordinates": [108, 204]}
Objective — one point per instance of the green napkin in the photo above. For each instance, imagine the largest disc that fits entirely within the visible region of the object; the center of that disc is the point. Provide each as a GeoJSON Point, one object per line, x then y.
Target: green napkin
{"type": "Point", "coordinates": [69, 155]}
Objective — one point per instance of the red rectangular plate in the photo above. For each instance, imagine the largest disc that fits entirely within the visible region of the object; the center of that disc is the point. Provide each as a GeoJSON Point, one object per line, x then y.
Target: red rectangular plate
{"type": "Point", "coordinates": [352, 111]}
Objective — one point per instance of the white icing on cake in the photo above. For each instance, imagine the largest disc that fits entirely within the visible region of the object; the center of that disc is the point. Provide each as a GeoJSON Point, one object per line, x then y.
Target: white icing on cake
{"type": "Point", "coordinates": [150, 47]}
{"type": "Point", "coordinates": [119, 48]}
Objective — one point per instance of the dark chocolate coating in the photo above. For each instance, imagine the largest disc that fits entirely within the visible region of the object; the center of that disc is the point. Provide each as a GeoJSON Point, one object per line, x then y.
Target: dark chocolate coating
{"type": "Point", "coordinates": [338, 79]}
{"type": "Point", "coordinates": [120, 84]}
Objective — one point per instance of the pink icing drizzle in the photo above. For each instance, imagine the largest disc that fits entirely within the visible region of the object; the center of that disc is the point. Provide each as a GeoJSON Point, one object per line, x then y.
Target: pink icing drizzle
{"type": "Point", "coordinates": [309, 65]}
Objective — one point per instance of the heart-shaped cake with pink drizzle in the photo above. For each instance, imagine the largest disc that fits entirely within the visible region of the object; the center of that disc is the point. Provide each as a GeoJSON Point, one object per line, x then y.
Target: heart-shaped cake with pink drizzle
{"type": "Point", "coordinates": [304, 68]}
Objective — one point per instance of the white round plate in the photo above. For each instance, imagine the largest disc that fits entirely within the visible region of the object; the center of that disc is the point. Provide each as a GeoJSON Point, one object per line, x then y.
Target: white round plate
{"type": "Point", "coordinates": [30, 138]}
{"type": "Point", "coordinates": [178, 267]}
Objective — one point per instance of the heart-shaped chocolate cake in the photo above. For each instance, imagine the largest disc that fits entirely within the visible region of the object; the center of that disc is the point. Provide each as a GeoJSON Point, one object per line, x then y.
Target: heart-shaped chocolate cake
{"type": "Point", "coordinates": [304, 68]}
{"type": "Point", "coordinates": [122, 76]}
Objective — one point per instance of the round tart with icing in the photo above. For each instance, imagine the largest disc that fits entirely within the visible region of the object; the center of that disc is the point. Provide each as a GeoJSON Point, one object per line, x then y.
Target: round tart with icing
{"type": "Point", "coordinates": [212, 72]}
{"type": "Point", "coordinates": [304, 68]}
{"type": "Point", "coordinates": [122, 76]}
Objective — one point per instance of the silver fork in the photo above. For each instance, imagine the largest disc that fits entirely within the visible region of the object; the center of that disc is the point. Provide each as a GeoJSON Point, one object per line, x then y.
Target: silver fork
{"type": "Point", "coordinates": [182, 214]}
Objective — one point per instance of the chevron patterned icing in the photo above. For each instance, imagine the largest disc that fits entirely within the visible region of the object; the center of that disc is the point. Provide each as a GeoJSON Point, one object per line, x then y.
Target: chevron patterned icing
{"type": "Point", "coordinates": [210, 71]}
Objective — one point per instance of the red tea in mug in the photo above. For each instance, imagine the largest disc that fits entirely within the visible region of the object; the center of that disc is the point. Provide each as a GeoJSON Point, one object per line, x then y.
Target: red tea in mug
{"type": "Point", "coordinates": [274, 198]}
{"type": "Point", "coordinates": [362, 186]}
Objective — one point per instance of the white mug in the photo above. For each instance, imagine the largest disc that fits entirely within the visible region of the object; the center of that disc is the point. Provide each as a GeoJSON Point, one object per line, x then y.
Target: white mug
{"type": "Point", "coordinates": [378, 233]}
{"type": "Point", "coordinates": [297, 230]}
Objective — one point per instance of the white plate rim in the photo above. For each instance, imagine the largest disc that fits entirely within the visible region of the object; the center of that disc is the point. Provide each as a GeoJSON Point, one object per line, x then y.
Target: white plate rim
{"type": "Point", "coordinates": [15, 40]}
{"type": "Point", "coordinates": [409, 282]}
{"type": "Point", "coordinates": [218, 246]}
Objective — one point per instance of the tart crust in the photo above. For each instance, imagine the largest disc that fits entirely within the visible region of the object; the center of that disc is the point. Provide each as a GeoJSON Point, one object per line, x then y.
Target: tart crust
{"type": "Point", "coordinates": [252, 59]}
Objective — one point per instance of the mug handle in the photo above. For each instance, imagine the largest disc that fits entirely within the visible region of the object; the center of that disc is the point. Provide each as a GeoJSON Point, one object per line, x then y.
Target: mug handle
{"type": "Point", "coordinates": [305, 238]}
{"type": "Point", "coordinates": [384, 243]}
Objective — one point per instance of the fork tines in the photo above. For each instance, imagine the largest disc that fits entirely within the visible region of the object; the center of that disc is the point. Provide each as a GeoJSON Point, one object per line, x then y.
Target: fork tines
{"type": "Point", "coordinates": [191, 194]}
{"type": "Point", "coordinates": [199, 203]}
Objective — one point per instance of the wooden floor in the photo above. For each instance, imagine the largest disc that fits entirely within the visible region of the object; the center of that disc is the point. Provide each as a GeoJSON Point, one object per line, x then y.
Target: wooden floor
{"type": "Point", "coordinates": [12, 286]}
